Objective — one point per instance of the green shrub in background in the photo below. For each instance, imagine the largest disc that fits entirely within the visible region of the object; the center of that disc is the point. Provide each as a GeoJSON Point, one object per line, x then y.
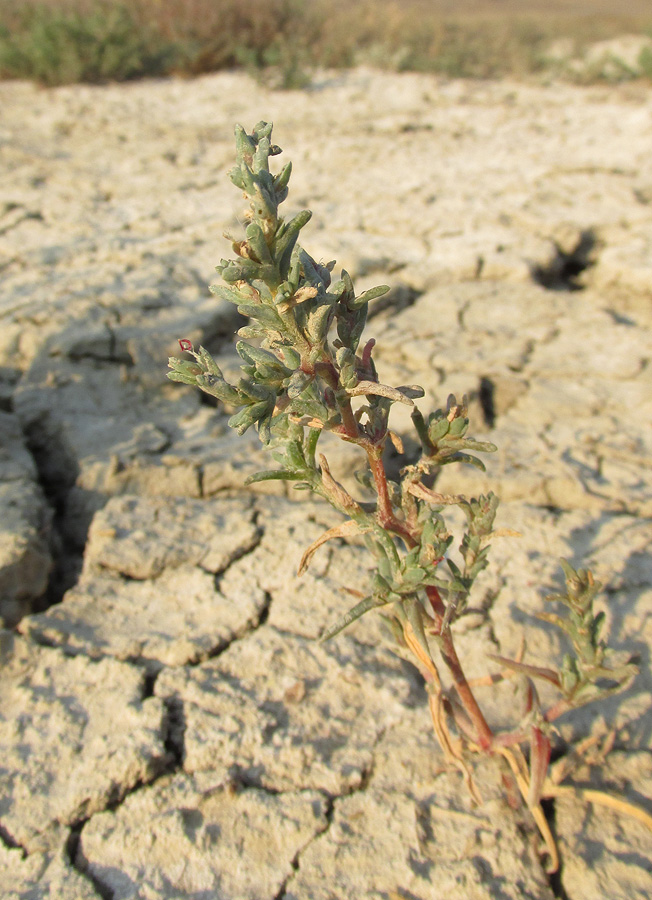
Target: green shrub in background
{"type": "Point", "coordinates": [285, 58]}
{"type": "Point", "coordinates": [464, 49]}
{"type": "Point", "coordinates": [64, 47]}
{"type": "Point", "coordinates": [645, 62]}
{"type": "Point", "coordinates": [57, 42]}
{"type": "Point", "coordinates": [258, 35]}
{"type": "Point", "coordinates": [283, 41]}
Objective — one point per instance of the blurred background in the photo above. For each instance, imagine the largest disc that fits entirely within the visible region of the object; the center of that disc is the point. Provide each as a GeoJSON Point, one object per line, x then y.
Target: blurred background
{"type": "Point", "coordinates": [67, 41]}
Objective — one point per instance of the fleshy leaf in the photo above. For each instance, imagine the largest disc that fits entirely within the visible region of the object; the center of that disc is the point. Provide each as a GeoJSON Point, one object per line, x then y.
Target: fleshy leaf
{"type": "Point", "coordinates": [354, 613]}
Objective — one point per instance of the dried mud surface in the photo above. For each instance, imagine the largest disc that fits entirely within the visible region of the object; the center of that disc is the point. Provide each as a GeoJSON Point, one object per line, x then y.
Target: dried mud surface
{"type": "Point", "coordinates": [169, 727]}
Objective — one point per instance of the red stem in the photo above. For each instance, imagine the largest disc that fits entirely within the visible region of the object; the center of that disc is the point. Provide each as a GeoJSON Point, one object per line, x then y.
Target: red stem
{"type": "Point", "coordinates": [348, 419]}
{"type": "Point", "coordinates": [385, 511]}
{"type": "Point", "coordinates": [450, 657]}
{"type": "Point", "coordinates": [557, 710]}
{"type": "Point", "coordinates": [326, 370]}
{"type": "Point", "coordinates": [389, 521]}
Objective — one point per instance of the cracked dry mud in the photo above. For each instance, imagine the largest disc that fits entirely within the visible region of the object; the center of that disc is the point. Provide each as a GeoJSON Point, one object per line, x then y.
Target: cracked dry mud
{"type": "Point", "coordinates": [168, 725]}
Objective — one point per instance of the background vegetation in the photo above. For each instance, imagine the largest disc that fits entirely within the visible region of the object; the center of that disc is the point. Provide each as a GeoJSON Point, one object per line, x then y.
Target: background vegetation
{"type": "Point", "coordinates": [67, 41]}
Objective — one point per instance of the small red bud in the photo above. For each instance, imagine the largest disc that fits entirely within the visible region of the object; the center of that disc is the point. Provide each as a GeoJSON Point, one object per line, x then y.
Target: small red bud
{"type": "Point", "coordinates": [185, 344]}
{"type": "Point", "coordinates": [366, 353]}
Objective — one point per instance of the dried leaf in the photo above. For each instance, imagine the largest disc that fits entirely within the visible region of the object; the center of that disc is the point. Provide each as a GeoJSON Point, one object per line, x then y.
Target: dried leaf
{"type": "Point", "coordinates": [335, 491]}
{"type": "Point", "coordinates": [498, 533]}
{"type": "Point", "coordinates": [423, 493]}
{"type": "Point", "coordinates": [307, 421]}
{"type": "Point", "coordinates": [396, 442]}
{"type": "Point", "coordinates": [517, 764]}
{"type": "Point", "coordinates": [379, 390]}
{"type": "Point", "coordinates": [346, 529]}
{"type": "Point", "coordinates": [307, 292]}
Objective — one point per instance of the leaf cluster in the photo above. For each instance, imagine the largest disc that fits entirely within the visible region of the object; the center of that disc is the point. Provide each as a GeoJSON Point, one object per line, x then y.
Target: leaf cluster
{"type": "Point", "coordinates": [593, 671]}
{"type": "Point", "coordinates": [304, 370]}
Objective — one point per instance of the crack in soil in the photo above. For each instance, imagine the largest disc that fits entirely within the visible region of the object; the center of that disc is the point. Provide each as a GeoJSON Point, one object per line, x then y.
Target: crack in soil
{"type": "Point", "coordinates": [329, 814]}
{"type": "Point", "coordinates": [77, 862]}
{"type": "Point", "coordinates": [554, 878]}
{"type": "Point", "coordinates": [65, 565]}
{"type": "Point", "coordinates": [295, 862]}
{"type": "Point", "coordinates": [10, 842]}
{"type": "Point", "coordinates": [171, 764]}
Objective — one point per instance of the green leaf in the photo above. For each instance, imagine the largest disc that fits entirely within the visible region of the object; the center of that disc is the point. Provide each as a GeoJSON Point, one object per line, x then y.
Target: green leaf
{"type": "Point", "coordinates": [242, 270]}
{"type": "Point", "coordinates": [263, 314]}
{"type": "Point", "coordinates": [597, 626]}
{"type": "Point", "coordinates": [458, 426]}
{"type": "Point", "coordinates": [411, 558]}
{"type": "Point", "coordinates": [422, 431]}
{"type": "Point", "coordinates": [265, 427]}
{"type": "Point", "coordinates": [208, 364]}
{"type": "Point", "coordinates": [468, 459]}
{"type": "Point", "coordinates": [262, 130]}
{"type": "Point", "coordinates": [306, 407]}
{"type": "Point", "coordinates": [294, 456]}
{"type": "Point", "coordinates": [318, 322]}
{"type": "Point", "coordinates": [248, 416]}
{"type": "Point", "coordinates": [244, 145]}
{"type": "Point", "coordinates": [310, 445]}
{"type": "Point", "coordinates": [454, 568]}
{"type": "Point", "coordinates": [367, 296]}
{"type": "Point", "coordinates": [183, 378]}
{"type": "Point", "coordinates": [413, 577]}
{"type": "Point", "coordinates": [231, 295]}
{"type": "Point", "coordinates": [392, 630]}
{"type": "Point", "coordinates": [281, 181]}
{"type": "Point", "coordinates": [287, 238]}
{"type": "Point", "coordinates": [235, 174]}
{"type": "Point", "coordinates": [354, 613]}
{"type": "Point", "coordinates": [291, 357]}
{"type": "Point", "coordinates": [437, 429]}
{"type": "Point", "coordinates": [260, 357]}
{"type": "Point", "coordinates": [255, 391]}
{"type": "Point", "coordinates": [261, 156]}
{"type": "Point", "coordinates": [297, 384]}
{"type": "Point", "coordinates": [274, 475]}
{"type": "Point", "coordinates": [253, 330]}
{"type": "Point", "coordinates": [480, 446]}
{"type": "Point", "coordinates": [218, 387]}
{"type": "Point", "coordinates": [257, 242]}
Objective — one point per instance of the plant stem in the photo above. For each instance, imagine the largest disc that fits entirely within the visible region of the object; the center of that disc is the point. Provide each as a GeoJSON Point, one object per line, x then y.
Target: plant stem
{"type": "Point", "coordinates": [389, 521]}
{"type": "Point", "coordinates": [348, 419]}
{"type": "Point", "coordinates": [558, 709]}
{"type": "Point", "coordinates": [450, 657]}
{"type": "Point", "coordinates": [385, 512]}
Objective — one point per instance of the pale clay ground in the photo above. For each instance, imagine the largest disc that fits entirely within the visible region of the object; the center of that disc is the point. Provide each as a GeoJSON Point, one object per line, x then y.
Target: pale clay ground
{"type": "Point", "coordinates": [171, 729]}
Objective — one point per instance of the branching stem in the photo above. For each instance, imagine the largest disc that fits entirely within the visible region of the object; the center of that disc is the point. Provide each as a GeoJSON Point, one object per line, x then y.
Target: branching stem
{"type": "Point", "coordinates": [389, 521]}
{"type": "Point", "coordinates": [450, 657]}
{"type": "Point", "coordinates": [386, 517]}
